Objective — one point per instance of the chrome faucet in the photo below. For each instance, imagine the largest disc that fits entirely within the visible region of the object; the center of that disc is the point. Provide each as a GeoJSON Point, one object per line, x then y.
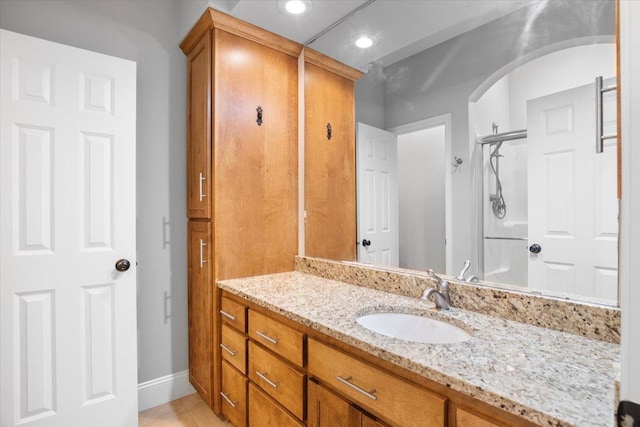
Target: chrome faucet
{"type": "Point", "coordinates": [441, 292]}
{"type": "Point", "coordinates": [465, 267]}
{"type": "Point", "coordinates": [470, 279]}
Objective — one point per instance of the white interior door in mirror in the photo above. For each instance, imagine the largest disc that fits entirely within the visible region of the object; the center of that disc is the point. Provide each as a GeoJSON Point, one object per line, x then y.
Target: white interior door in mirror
{"type": "Point", "coordinates": [67, 208]}
{"type": "Point", "coordinates": [377, 188]}
{"type": "Point", "coordinates": [573, 209]}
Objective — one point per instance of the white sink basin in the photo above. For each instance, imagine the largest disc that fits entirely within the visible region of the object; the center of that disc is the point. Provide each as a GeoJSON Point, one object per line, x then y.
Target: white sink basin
{"type": "Point", "coordinates": [411, 327]}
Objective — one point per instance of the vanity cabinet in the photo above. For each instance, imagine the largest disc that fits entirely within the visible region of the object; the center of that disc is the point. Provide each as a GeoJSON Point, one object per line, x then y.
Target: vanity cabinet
{"type": "Point", "coordinates": [330, 162]}
{"type": "Point", "coordinates": [242, 176]}
{"type": "Point", "coordinates": [299, 376]}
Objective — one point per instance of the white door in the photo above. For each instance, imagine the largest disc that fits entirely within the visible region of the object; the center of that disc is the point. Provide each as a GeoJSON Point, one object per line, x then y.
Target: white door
{"type": "Point", "coordinates": [377, 163]}
{"type": "Point", "coordinates": [67, 196]}
{"type": "Point", "coordinates": [573, 209]}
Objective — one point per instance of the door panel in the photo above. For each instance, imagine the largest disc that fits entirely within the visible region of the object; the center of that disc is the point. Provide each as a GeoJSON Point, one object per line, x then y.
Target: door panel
{"type": "Point", "coordinates": [201, 333]}
{"type": "Point", "coordinates": [330, 165]}
{"type": "Point", "coordinates": [67, 165]}
{"type": "Point", "coordinates": [377, 166]}
{"type": "Point", "coordinates": [199, 173]}
{"type": "Point", "coordinates": [573, 209]}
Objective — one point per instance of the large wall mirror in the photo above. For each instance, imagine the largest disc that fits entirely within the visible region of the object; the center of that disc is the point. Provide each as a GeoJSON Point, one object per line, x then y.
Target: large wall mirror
{"type": "Point", "coordinates": [478, 142]}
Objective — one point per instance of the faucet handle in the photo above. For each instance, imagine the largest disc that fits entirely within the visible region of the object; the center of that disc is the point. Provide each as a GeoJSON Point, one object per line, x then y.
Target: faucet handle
{"type": "Point", "coordinates": [465, 267]}
{"type": "Point", "coordinates": [433, 275]}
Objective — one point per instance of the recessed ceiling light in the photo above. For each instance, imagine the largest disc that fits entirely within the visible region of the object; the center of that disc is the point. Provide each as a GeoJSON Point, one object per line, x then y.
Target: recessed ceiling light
{"type": "Point", "coordinates": [295, 7]}
{"type": "Point", "coordinates": [364, 42]}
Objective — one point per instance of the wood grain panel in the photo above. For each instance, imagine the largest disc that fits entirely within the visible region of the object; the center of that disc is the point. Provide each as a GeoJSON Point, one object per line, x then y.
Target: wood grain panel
{"type": "Point", "coordinates": [285, 384]}
{"type": "Point", "coordinates": [235, 314]}
{"type": "Point", "coordinates": [255, 165]}
{"type": "Point", "coordinates": [235, 348]}
{"type": "Point", "coordinates": [200, 309]}
{"type": "Point", "coordinates": [199, 130]}
{"type": "Point", "coordinates": [264, 412]}
{"type": "Point", "coordinates": [234, 387]}
{"type": "Point", "coordinates": [468, 419]}
{"type": "Point", "coordinates": [289, 342]}
{"type": "Point", "coordinates": [399, 402]}
{"type": "Point", "coordinates": [326, 409]}
{"type": "Point", "coordinates": [330, 168]}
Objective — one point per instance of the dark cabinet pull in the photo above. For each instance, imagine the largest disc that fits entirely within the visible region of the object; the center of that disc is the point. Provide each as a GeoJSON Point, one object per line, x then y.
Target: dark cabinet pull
{"type": "Point", "coordinates": [259, 119]}
{"type": "Point", "coordinates": [328, 130]}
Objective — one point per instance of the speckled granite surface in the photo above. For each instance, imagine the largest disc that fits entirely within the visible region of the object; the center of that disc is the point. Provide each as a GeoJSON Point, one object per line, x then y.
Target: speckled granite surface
{"type": "Point", "coordinates": [548, 377]}
{"type": "Point", "coordinates": [584, 319]}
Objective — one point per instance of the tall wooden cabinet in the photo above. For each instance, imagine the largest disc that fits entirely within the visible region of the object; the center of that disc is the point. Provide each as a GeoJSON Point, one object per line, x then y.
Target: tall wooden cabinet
{"type": "Point", "coordinates": [242, 171]}
{"type": "Point", "coordinates": [330, 162]}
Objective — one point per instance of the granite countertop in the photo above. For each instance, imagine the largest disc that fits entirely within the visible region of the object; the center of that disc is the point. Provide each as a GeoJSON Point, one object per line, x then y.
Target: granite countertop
{"type": "Point", "coordinates": [550, 378]}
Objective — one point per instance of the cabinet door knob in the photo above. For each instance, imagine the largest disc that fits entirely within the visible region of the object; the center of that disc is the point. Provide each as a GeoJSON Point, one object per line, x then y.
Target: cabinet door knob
{"type": "Point", "coordinates": [366, 243]}
{"type": "Point", "coordinates": [535, 248]}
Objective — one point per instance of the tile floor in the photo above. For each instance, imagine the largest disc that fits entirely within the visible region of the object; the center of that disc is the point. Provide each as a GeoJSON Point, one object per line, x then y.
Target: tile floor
{"type": "Point", "coordinates": [189, 411]}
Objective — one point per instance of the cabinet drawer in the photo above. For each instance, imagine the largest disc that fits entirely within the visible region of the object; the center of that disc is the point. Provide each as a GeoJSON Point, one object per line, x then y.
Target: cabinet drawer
{"type": "Point", "coordinates": [233, 347]}
{"type": "Point", "coordinates": [263, 412]}
{"type": "Point", "coordinates": [277, 337]}
{"type": "Point", "coordinates": [387, 396]}
{"type": "Point", "coordinates": [234, 396]}
{"type": "Point", "coordinates": [277, 379]}
{"type": "Point", "coordinates": [468, 419]}
{"type": "Point", "coordinates": [234, 314]}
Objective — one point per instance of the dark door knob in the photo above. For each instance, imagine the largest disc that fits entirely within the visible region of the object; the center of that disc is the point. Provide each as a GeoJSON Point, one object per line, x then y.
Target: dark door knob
{"type": "Point", "coordinates": [366, 242]}
{"type": "Point", "coordinates": [535, 248]}
{"type": "Point", "coordinates": [123, 265]}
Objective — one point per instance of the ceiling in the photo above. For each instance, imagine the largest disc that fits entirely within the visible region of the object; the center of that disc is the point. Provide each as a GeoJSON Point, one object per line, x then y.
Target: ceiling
{"type": "Point", "coordinates": [401, 28]}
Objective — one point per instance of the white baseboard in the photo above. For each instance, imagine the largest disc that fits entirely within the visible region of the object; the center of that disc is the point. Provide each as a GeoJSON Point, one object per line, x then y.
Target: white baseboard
{"type": "Point", "coordinates": [164, 389]}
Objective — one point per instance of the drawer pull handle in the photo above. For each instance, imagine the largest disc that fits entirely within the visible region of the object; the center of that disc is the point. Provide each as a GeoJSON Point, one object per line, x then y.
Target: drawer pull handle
{"type": "Point", "coordinates": [225, 396]}
{"type": "Point", "coordinates": [228, 315]}
{"type": "Point", "coordinates": [267, 337]}
{"type": "Point", "coordinates": [228, 350]}
{"type": "Point", "coordinates": [202, 178]}
{"type": "Point", "coordinates": [347, 382]}
{"type": "Point", "coordinates": [267, 380]}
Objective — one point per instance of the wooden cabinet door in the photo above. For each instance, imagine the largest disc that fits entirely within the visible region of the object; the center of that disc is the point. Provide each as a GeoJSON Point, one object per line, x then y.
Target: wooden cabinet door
{"type": "Point", "coordinates": [200, 308]}
{"type": "Point", "coordinates": [255, 160]}
{"type": "Point", "coordinates": [330, 166]}
{"type": "Point", "coordinates": [199, 173]}
{"type": "Point", "coordinates": [264, 412]}
{"type": "Point", "coordinates": [325, 409]}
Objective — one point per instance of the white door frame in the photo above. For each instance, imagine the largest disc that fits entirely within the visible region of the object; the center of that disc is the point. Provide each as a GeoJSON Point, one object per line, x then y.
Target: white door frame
{"type": "Point", "coordinates": [629, 277]}
{"type": "Point", "coordinates": [442, 120]}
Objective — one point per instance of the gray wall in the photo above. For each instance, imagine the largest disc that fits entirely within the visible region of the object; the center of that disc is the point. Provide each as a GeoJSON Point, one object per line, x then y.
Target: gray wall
{"type": "Point", "coordinates": [145, 32]}
{"type": "Point", "coordinates": [443, 79]}
{"type": "Point", "coordinates": [421, 199]}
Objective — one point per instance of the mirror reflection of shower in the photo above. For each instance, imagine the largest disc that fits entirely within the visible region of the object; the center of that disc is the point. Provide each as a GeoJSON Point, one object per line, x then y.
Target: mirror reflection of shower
{"type": "Point", "coordinates": [504, 159]}
{"type": "Point", "coordinates": [544, 186]}
{"type": "Point", "coordinates": [498, 205]}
